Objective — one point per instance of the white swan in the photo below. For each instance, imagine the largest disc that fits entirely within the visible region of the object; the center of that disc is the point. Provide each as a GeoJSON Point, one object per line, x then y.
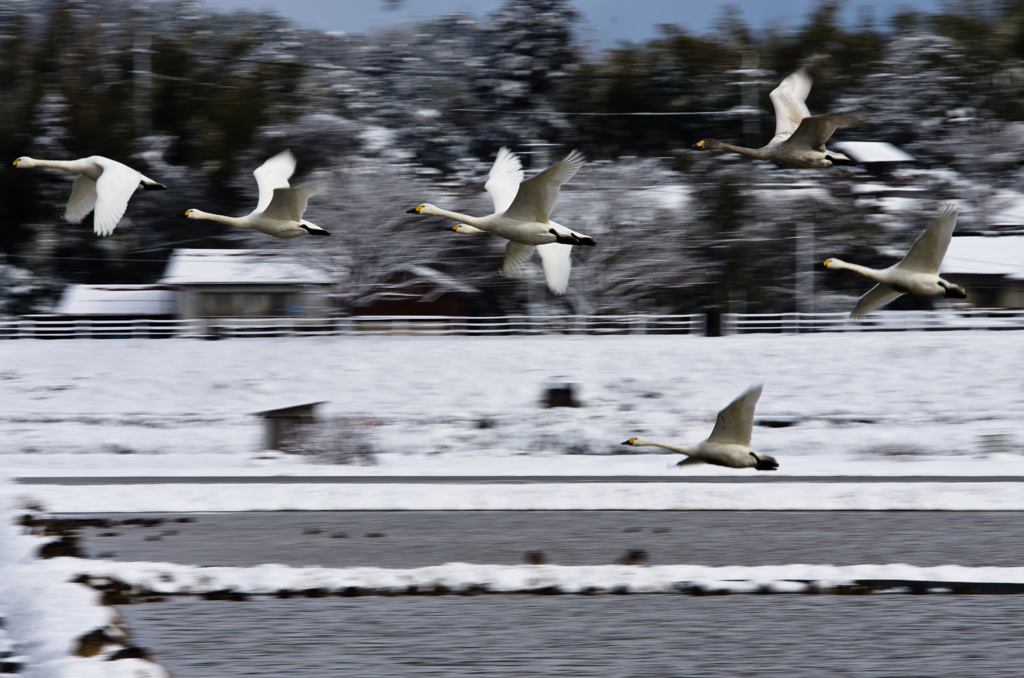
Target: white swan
{"type": "Point", "coordinates": [917, 274]}
{"type": "Point", "coordinates": [503, 183]}
{"type": "Point", "coordinates": [280, 208]}
{"type": "Point", "coordinates": [102, 185]}
{"type": "Point", "coordinates": [800, 137]}
{"type": "Point", "coordinates": [525, 220]}
{"type": "Point", "coordinates": [729, 443]}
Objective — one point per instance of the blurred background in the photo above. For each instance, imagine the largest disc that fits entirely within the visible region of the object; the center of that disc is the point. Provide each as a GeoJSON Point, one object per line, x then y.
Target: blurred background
{"type": "Point", "coordinates": [196, 95]}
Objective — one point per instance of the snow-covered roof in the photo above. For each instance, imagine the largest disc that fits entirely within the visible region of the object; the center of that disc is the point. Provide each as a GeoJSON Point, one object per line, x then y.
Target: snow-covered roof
{"type": "Point", "coordinates": [117, 300]}
{"type": "Point", "coordinates": [239, 267]}
{"type": "Point", "coordinates": [992, 255]}
{"type": "Point", "coordinates": [871, 151]}
{"type": "Point", "coordinates": [442, 280]}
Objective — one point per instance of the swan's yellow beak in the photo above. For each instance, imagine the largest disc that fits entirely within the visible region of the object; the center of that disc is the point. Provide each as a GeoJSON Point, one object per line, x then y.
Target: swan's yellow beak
{"type": "Point", "coordinates": [415, 210]}
{"type": "Point", "coordinates": [629, 442]}
{"type": "Point", "coordinates": [826, 263]}
{"type": "Point", "coordinates": [16, 161]}
{"type": "Point", "coordinates": [700, 144]}
{"type": "Point", "coordinates": [456, 227]}
{"type": "Point", "coordinates": [188, 212]}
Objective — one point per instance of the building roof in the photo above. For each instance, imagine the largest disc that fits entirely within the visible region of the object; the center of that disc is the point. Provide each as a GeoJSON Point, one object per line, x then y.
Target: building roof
{"type": "Point", "coordinates": [988, 255]}
{"type": "Point", "coordinates": [145, 300]}
{"type": "Point", "coordinates": [240, 267]}
{"type": "Point", "coordinates": [871, 151]}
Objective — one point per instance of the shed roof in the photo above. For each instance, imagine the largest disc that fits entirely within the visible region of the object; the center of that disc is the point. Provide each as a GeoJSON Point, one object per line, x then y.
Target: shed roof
{"type": "Point", "coordinates": [871, 151]}
{"type": "Point", "coordinates": [990, 255]}
{"type": "Point", "coordinates": [136, 300]}
{"type": "Point", "coordinates": [240, 267]}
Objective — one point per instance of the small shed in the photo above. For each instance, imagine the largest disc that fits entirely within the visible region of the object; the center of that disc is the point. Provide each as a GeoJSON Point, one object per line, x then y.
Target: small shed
{"type": "Point", "coordinates": [990, 268]}
{"type": "Point", "coordinates": [281, 423]}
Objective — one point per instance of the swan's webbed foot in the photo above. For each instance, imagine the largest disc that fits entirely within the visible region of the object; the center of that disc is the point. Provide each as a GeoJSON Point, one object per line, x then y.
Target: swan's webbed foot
{"type": "Point", "coordinates": [572, 239]}
{"type": "Point", "coordinates": [764, 463]}
{"type": "Point", "coordinates": [837, 160]}
{"type": "Point", "coordinates": [954, 291]}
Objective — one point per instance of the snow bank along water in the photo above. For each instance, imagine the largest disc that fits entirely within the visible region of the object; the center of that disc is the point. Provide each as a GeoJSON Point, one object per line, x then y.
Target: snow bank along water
{"type": "Point", "coordinates": [56, 628]}
{"type": "Point", "coordinates": [123, 582]}
{"type": "Point", "coordinates": [695, 496]}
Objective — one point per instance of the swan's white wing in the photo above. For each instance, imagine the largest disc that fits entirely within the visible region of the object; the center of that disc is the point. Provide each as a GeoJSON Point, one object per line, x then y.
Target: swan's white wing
{"type": "Point", "coordinates": [113, 189]}
{"type": "Point", "coordinates": [504, 179]}
{"type": "Point", "coordinates": [930, 247]}
{"type": "Point", "coordinates": [736, 421]}
{"type": "Point", "coordinates": [538, 194]}
{"type": "Point", "coordinates": [289, 204]}
{"type": "Point", "coordinates": [813, 132]}
{"type": "Point", "coordinates": [875, 298]}
{"type": "Point", "coordinates": [554, 257]}
{"type": "Point", "coordinates": [517, 255]}
{"type": "Point", "coordinates": [82, 201]}
{"type": "Point", "coordinates": [274, 173]}
{"type": "Point", "coordinates": [788, 99]}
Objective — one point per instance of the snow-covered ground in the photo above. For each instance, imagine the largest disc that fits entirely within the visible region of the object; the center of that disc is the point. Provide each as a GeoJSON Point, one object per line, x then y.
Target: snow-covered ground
{"type": "Point", "coordinates": [889, 404]}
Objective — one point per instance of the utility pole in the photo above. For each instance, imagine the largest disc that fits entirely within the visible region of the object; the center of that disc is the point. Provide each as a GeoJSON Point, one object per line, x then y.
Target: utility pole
{"type": "Point", "coordinates": [803, 282]}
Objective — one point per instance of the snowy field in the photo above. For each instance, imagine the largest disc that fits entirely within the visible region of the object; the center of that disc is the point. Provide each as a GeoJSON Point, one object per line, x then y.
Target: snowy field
{"type": "Point", "coordinates": [890, 405]}
{"type": "Point", "coordinates": [887, 404]}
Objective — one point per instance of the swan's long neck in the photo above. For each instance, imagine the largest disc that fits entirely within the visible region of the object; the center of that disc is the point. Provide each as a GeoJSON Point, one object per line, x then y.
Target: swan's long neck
{"type": "Point", "coordinates": [681, 449]}
{"type": "Point", "coordinates": [237, 222]}
{"type": "Point", "coordinates": [875, 275]}
{"type": "Point", "coordinates": [478, 222]}
{"type": "Point", "coordinates": [759, 153]}
{"type": "Point", "coordinates": [77, 166]}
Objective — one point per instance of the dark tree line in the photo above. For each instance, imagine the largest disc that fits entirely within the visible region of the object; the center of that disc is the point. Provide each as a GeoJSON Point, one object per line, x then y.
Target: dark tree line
{"type": "Point", "coordinates": [197, 99]}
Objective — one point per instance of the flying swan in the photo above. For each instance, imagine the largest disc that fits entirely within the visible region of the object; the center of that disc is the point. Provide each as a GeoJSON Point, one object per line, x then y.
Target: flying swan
{"type": "Point", "coordinates": [729, 443]}
{"type": "Point", "coordinates": [917, 274]}
{"type": "Point", "coordinates": [800, 137]}
{"type": "Point", "coordinates": [102, 185]}
{"type": "Point", "coordinates": [503, 183]}
{"type": "Point", "coordinates": [280, 208]}
{"type": "Point", "coordinates": [521, 216]}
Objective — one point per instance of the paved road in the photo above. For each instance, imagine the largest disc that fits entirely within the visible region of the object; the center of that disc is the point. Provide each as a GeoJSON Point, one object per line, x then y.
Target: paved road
{"type": "Point", "coordinates": [502, 480]}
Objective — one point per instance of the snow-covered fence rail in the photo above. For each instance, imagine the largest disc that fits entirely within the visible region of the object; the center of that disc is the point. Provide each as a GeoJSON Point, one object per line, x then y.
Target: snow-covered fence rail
{"type": "Point", "coordinates": [225, 328]}
{"type": "Point", "coordinates": [885, 321]}
{"type": "Point", "coordinates": [526, 325]}
{"type": "Point", "coordinates": [514, 325]}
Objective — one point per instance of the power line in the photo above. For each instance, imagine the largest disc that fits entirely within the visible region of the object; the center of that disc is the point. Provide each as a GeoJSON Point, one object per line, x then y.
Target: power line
{"type": "Point", "coordinates": [636, 113]}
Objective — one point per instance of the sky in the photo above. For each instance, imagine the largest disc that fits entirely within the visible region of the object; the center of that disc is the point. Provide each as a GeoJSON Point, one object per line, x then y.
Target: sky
{"type": "Point", "coordinates": [606, 22]}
